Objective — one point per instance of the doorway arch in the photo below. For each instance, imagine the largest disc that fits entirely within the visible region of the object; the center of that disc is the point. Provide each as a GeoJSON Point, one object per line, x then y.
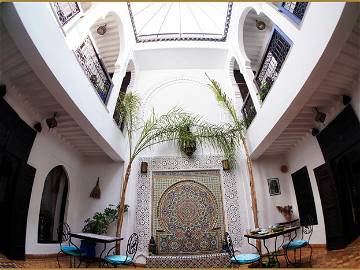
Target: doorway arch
{"type": "Point", "coordinates": [53, 204]}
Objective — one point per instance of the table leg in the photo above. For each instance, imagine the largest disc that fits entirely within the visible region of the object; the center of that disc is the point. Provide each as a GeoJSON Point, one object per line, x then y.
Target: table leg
{"type": "Point", "coordinates": [276, 254]}
{"type": "Point", "coordinates": [268, 252]}
{"type": "Point", "coordinates": [100, 261]}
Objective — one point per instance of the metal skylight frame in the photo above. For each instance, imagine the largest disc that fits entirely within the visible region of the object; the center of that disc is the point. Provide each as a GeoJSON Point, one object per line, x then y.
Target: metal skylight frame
{"type": "Point", "coordinates": [182, 36]}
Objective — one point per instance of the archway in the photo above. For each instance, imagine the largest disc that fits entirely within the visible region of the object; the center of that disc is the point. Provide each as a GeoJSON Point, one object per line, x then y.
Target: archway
{"type": "Point", "coordinates": [247, 109]}
{"type": "Point", "coordinates": [53, 203]}
{"type": "Point", "coordinates": [255, 33]}
{"type": "Point", "coordinates": [107, 34]}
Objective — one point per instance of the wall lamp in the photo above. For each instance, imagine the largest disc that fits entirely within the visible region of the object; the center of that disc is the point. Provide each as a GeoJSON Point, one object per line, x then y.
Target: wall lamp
{"type": "Point", "coordinates": [101, 30]}
{"type": "Point", "coordinates": [320, 116]}
{"type": "Point", "coordinates": [51, 122]}
{"type": "Point", "coordinates": [144, 167]}
{"type": "Point", "coordinates": [260, 25]}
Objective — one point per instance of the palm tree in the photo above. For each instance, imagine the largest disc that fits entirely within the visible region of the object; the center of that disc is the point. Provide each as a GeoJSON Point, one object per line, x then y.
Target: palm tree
{"type": "Point", "coordinates": [174, 126]}
{"type": "Point", "coordinates": [240, 127]}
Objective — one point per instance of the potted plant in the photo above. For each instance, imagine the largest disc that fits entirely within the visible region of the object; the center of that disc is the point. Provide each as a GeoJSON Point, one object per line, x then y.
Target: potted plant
{"type": "Point", "coordinates": [99, 224]}
{"type": "Point", "coordinates": [187, 141]}
{"type": "Point", "coordinates": [286, 211]}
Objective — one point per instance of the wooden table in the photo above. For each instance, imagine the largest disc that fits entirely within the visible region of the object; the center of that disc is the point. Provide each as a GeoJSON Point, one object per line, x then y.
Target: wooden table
{"type": "Point", "coordinates": [264, 237]}
{"type": "Point", "coordinates": [91, 237]}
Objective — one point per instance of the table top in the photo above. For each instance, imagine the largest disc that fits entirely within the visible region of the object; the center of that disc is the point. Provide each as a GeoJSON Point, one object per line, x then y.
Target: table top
{"type": "Point", "coordinates": [272, 234]}
{"type": "Point", "coordinates": [288, 222]}
{"type": "Point", "coordinates": [96, 237]}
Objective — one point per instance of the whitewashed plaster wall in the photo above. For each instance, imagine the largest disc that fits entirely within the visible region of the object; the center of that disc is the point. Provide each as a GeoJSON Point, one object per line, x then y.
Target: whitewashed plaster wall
{"type": "Point", "coordinates": [57, 67]}
{"type": "Point", "coordinates": [110, 174]}
{"type": "Point", "coordinates": [49, 151]}
{"type": "Point", "coordinates": [319, 41]}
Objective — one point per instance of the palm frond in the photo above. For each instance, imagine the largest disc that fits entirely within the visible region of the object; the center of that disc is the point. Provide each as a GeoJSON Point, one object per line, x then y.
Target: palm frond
{"type": "Point", "coordinates": [227, 104]}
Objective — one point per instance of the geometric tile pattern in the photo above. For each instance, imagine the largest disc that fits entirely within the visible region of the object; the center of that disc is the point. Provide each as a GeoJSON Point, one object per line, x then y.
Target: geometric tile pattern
{"type": "Point", "coordinates": [218, 260]}
{"type": "Point", "coordinates": [187, 216]}
{"type": "Point", "coordinates": [232, 217]}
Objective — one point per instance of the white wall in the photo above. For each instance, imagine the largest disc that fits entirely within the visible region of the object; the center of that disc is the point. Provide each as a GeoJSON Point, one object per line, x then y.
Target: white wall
{"type": "Point", "coordinates": [49, 151]}
{"type": "Point", "coordinates": [319, 37]}
{"type": "Point", "coordinates": [57, 67]}
{"type": "Point", "coordinates": [264, 168]}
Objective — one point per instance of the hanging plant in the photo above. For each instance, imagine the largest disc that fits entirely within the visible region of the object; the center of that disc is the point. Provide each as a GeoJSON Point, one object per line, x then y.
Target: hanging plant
{"type": "Point", "coordinates": [187, 141]}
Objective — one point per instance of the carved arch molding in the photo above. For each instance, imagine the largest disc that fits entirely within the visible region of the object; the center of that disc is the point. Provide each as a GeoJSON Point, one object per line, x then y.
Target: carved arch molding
{"type": "Point", "coordinates": [233, 219]}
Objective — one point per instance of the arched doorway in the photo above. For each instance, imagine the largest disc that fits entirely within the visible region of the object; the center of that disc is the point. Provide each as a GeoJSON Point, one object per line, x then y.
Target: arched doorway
{"type": "Point", "coordinates": [53, 203]}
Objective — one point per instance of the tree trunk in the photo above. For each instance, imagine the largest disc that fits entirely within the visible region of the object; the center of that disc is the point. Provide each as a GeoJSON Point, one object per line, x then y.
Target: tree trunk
{"type": "Point", "coordinates": [122, 206]}
{"type": "Point", "coordinates": [252, 191]}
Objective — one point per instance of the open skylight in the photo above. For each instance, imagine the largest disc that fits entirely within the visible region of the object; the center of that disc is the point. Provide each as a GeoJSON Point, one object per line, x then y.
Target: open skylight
{"type": "Point", "coordinates": [167, 21]}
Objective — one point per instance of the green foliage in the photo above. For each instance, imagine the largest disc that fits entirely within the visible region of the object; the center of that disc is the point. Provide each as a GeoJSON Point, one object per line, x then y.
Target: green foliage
{"type": "Point", "coordinates": [100, 221]}
{"type": "Point", "coordinates": [172, 127]}
{"type": "Point", "coordinates": [227, 104]}
{"type": "Point", "coordinates": [264, 89]}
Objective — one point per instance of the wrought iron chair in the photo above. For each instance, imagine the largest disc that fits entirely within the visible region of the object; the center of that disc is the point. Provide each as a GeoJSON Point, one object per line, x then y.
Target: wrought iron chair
{"type": "Point", "coordinates": [128, 259]}
{"type": "Point", "coordinates": [243, 258]}
{"type": "Point", "coordinates": [70, 249]}
{"type": "Point", "coordinates": [299, 244]}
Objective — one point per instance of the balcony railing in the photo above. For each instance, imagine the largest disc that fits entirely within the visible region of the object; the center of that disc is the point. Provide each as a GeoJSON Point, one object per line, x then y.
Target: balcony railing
{"type": "Point", "coordinates": [94, 68]}
{"type": "Point", "coordinates": [248, 110]}
{"type": "Point", "coordinates": [294, 10]}
{"type": "Point", "coordinates": [272, 62]}
{"type": "Point", "coordinates": [65, 11]}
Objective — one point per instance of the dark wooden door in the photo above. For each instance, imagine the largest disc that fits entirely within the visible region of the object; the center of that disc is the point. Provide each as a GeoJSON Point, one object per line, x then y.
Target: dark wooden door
{"type": "Point", "coordinates": [331, 208]}
{"type": "Point", "coordinates": [304, 197]}
{"type": "Point", "coordinates": [16, 180]}
{"type": "Point", "coordinates": [19, 212]}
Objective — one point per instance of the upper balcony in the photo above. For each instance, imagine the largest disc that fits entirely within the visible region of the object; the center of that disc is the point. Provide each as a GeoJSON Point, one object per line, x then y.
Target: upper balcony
{"type": "Point", "coordinates": [283, 55]}
{"type": "Point", "coordinates": [86, 56]}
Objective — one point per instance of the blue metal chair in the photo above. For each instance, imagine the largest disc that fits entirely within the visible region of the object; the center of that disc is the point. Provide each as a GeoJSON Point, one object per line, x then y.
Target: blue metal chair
{"type": "Point", "coordinates": [298, 244]}
{"type": "Point", "coordinates": [70, 249]}
{"type": "Point", "coordinates": [240, 259]}
{"type": "Point", "coordinates": [121, 260]}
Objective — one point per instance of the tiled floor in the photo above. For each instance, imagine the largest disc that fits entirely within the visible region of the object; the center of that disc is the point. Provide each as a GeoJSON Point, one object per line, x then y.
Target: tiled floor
{"type": "Point", "coordinates": [345, 258]}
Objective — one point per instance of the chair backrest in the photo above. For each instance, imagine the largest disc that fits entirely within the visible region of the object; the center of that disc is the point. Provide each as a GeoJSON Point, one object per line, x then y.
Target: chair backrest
{"type": "Point", "coordinates": [229, 245]}
{"type": "Point", "coordinates": [132, 245]}
{"type": "Point", "coordinates": [307, 228]}
{"type": "Point", "coordinates": [63, 232]}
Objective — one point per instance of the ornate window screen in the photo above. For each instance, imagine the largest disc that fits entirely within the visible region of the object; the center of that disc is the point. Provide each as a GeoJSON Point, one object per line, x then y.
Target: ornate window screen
{"type": "Point", "coordinates": [294, 10]}
{"type": "Point", "coordinates": [65, 11]}
{"type": "Point", "coordinates": [273, 60]}
{"type": "Point", "coordinates": [248, 110]}
{"type": "Point", "coordinates": [94, 68]}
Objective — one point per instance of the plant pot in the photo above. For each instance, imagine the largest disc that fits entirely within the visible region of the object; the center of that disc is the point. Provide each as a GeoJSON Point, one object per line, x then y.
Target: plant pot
{"type": "Point", "coordinates": [88, 247]}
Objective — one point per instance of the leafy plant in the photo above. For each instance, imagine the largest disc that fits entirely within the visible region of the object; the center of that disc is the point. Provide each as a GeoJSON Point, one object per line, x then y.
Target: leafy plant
{"type": "Point", "coordinates": [169, 127]}
{"type": "Point", "coordinates": [239, 128]}
{"type": "Point", "coordinates": [100, 221]}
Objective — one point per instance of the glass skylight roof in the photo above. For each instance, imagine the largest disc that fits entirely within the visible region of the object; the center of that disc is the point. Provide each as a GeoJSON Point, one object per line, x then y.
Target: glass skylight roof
{"type": "Point", "coordinates": [166, 21]}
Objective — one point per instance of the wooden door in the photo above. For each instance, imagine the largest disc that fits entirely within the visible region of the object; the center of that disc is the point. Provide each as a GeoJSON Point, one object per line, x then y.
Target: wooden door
{"type": "Point", "coordinates": [304, 197]}
{"type": "Point", "coordinates": [331, 208]}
